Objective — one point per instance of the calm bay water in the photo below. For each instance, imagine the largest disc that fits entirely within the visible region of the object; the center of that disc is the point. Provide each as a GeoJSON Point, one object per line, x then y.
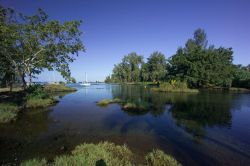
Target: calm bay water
{"type": "Point", "coordinates": [197, 129]}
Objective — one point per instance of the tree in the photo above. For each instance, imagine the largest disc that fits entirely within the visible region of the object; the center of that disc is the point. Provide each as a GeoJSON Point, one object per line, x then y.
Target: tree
{"type": "Point", "coordinates": [201, 66]}
{"type": "Point", "coordinates": [38, 43]}
{"type": "Point", "coordinates": [157, 66]}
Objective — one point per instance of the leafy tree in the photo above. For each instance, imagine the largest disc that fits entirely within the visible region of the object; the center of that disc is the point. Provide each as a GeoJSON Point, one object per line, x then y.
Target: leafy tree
{"type": "Point", "coordinates": [38, 43]}
{"type": "Point", "coordinates": [157, 66]}
{"type": "Point", "coordinates": [201, 66]}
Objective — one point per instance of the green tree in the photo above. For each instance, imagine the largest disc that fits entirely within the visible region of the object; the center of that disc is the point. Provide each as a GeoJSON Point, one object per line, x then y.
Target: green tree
{"type": "Point", "coordinates": [157, 66]}
{"type": "Point", "coordinates": [201, 66]}
{"type": "Point", "coordinates": [38, 43]}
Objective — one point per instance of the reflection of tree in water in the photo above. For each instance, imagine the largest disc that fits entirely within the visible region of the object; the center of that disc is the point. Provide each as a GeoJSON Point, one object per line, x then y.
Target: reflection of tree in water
{"type": "Point", "coordinates": [143, 98]}
{"type": "Point", "coordinates": [196, 112]}
{"type": "Point", "coordinates": [193, 112]}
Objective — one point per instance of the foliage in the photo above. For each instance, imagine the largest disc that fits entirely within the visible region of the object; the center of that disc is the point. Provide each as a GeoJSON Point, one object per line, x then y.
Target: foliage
{"type": "Point", "coordinates": [8, 112]}
{"type": "Point", "coordinates": [175, 86]}
{"type": "Point", "coordinates": [106, 102]}
{"type": "Point", "coordinates": [105, 153]}
{"type": "Point", "coordinates": [159, 158]}
{"type": "Point", "coordinates": [157, 66]}
{"type": "Point", "coordinates": [35, 162]}
{"type": "Point", "coordinates": [201, 66]}
{"type": "Point", "coordinates": [32, 43]}
{"type": "Point", "coordinates": [37, 97]}
{"type": "Point", "coordinates": [39, 102]}
{"type": "Point", "coordinates": [241, 76]}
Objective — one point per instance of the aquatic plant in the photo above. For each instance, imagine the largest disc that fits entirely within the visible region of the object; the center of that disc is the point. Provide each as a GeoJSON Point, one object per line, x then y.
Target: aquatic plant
{"type": "Point", "coordinates": [106, 102]}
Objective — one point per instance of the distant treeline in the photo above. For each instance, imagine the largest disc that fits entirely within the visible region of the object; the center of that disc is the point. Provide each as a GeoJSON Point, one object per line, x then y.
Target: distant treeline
{"type": "Point", "coordinates": [197, 63]}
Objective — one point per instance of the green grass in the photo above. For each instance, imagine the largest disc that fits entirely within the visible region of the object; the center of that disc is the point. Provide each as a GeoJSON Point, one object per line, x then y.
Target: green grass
{"type": "Point", "coordinates": [175, 86]}
{"type": "Point", "coordinates": [159, 158]}
{"type": "Point", "coordinates": [39, 102]}
{"type": "Point", "coordinates": [106, 102]}
{"type": "Point", "coordinates": [134, 107]}
{"type": "Point", "coordinates": [35, 162]}
{"type": "Point", "coordinates": [58, 88]}
{"type": "Point", "coordinates": [8, 112]}
{"type": "Point", "coordinates": [105, 154]}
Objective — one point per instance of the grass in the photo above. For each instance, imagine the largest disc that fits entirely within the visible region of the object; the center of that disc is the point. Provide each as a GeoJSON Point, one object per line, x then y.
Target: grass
{"type": "Point", "coordinates": [105, 102]}
{"type": "Point", "coordinates": [134, 107]}
{"type": "Point", "coordinates": [58, 88]}
{"type": "Point", "coordinates": [104, 154]}
{"type": "Point", "coordinates": [39, 102]}
{"type": "Point", "coordinates": [175, 86]}
{"type": "Point", "coordinates": [8, 112]}
{"type": "Point", "coordinates": [159, 158]}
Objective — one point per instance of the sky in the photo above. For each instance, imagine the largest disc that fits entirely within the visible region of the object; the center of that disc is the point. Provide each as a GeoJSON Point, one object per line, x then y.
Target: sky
{"type": "Point", "coordinates": [114, 28]}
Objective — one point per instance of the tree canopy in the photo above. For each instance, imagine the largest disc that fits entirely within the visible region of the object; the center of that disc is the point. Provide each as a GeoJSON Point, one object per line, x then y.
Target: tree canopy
{"type": "Point", "coordinates": [197, 63]}
{"type": "Point", "coordinates": [31, 44]}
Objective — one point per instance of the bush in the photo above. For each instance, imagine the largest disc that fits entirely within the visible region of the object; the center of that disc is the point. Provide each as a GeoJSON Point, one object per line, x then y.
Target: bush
{"type": "Point", "coordinates": [174, 86]}
{"type": "Point", "coordinates": [36, 91]}
{"type": "Point", "coordinates": [8, 112]}
{"type": "Point", "coordinates": [159, 158]}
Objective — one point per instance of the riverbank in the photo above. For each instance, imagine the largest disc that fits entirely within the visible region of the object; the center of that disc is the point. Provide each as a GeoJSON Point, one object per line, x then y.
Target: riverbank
{"type": "Point", "coordinates": [37, 96]}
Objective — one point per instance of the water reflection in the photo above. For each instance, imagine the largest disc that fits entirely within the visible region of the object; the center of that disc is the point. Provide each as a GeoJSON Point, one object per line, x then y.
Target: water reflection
{"type": "Point", "coordinates": [192, 112]}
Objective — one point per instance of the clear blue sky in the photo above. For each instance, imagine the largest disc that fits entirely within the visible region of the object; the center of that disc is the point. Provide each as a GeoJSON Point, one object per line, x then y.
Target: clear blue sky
{"type": "Point", "coordinates": [115, 28]}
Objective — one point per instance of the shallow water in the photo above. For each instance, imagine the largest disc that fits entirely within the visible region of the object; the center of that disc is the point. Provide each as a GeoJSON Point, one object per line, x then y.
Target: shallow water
{"type": "Point", "coordinates": [197, 129]}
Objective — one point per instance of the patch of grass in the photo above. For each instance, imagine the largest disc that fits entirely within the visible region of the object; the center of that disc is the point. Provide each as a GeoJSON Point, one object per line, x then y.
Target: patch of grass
{"type": "Point", "coordinates": [105, 154]}
{"type": "Point", "coordinates": [8, 112]}
{"type": "Point", "coordinates": [106, 102]}
{"type": "Point", "coordinates": [175, 86]}
{"type": "Point", "coordinates": [159, 158]}
{"type": "Point", "coordinates": [35, 162]}
{"type": "Point", "coordinates": [58, 88]}
{"type": "Point", "coordinates": [135, 107]}
{"type": "Point", "coordinates": [39, 102]}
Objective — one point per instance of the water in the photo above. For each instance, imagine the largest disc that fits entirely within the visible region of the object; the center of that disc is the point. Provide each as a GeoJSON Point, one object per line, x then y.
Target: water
{"type": "Point", "coordinates": [197, 129]}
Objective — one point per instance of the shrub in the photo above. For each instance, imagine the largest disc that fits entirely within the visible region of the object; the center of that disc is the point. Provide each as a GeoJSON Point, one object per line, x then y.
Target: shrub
{"type": "Point", "coordinates": [8, 112]}
{"type": "Point", "coordinates": [174, 86]}
{"type": "Point", "coordinates": [159, 158]}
